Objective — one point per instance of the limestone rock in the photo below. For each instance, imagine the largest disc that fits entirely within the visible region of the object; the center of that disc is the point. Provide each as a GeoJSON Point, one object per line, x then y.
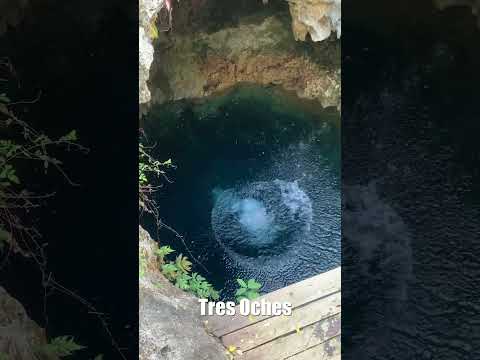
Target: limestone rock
{"type": "Point", "coordinates": [19, 335]}
{"type": "Point", "coordinates": [147, 12]}
{"type": "Point", "coordinates": [170, 323]}
{"type": "Point", "coordinates": [145, 60]}
{"type": "Point", "coordinates": [265, 53]}
{"type": "Point", "coordinates": [315, 17]}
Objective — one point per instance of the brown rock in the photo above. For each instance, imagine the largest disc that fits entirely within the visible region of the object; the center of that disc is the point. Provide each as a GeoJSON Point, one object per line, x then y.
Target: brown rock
{"type": "Point", "coordinates": [170, 323]}
{"type": "Point", "coordinates": [315, 17]}
{"type": "Point", "coordinates": [19, 335]}
{"type": "Point", "coordinates": [263, 53]}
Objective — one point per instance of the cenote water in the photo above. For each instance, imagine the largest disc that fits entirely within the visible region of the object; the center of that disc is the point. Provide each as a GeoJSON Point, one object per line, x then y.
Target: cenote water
{"type": "Point", "coordinates": [256, 187]}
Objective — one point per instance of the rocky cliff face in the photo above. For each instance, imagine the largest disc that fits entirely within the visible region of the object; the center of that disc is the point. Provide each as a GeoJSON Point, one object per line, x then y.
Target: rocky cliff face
{"type": "Point", "coordinates": [148, 9]}
{"type": "Point", "coordinates": [315, 17]}
{"type": "Point", "coordinates": [259, 51]}
{"type": "Point", "coordinates": [20, 336]}
{"type": "Point", "coordinates": [170, 323]}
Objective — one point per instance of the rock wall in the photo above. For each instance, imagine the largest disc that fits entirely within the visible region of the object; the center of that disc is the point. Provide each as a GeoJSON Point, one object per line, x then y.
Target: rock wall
{"type": "Point", "coordinates": [194, 61]}
{"type": "Point", "coordinates": [261, 52]}
{"type": "Point", "coordinates": [19, 335]}
{"type": "Point", "coordinates": [148, 9]}
{"type": "Point", "coordinates": [315, 17]}
{"type": "Point", "coordinates": [170, 323]}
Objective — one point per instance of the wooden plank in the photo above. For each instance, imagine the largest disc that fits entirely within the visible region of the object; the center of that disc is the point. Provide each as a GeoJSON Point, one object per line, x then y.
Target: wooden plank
{"type": "Point", "coordinates": [295, 343]}
{"type": "Point", "coordinates": [329, 350]}
{"type": "Point", "coordinates": [297, 294]}
{"type": "Point", "coordinates": [267, 330]}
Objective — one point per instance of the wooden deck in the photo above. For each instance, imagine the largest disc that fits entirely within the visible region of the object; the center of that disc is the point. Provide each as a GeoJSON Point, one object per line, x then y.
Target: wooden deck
{"type": "Point", "coordinates": [312, 332]}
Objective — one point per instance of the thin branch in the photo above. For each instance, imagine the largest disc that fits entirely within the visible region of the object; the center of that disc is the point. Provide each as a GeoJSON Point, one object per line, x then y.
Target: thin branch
{"type": "Point", "coordinates": [28, 101]}
{"type": "Point", "coordinates": [14, 205]}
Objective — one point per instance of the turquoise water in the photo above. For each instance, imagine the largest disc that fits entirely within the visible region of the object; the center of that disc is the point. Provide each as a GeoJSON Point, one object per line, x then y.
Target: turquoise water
{"type": "Point", "coordinates": [256, 189]}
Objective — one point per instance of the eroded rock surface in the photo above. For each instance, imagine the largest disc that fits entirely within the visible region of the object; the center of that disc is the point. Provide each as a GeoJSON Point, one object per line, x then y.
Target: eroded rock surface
{"type": "Point", "coordinates": [170, 324]}
{"type": "Point", "coordinates": [148, 9]}
{"type": "Point", "coordinates": [315, 17]}
{"type": "Point", "coordinates": [19, 335]}
{"type": "Point", "coordinates": [261, 52]}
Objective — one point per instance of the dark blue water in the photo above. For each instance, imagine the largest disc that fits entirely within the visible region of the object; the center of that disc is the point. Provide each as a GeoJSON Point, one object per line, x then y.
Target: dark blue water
{"type": "Point", "coordinates": [256, 190]}
{"type": "Point", "coordinates": [411, 184]}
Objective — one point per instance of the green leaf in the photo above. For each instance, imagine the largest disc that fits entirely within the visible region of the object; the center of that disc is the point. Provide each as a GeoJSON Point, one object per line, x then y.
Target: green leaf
{"type": "Point", "coordinates": [203, 294]}
{"type": "Point", "coordinates": [252, 295]}
{"type": "Point", "coordinates": [183, 263]}
{"type": "Point", "coordinates": [182, 282]}
{"type": "Point", "coordinates": [170, 270]}
{"type": "Point", "coordinates": [205, 285]}
{"type": "Point", "coordinates": [242, 283]}
{"type": "Point", "coordinates": [241, 291]}
{"type": "Point", "coordinates": [214, 295]}
{"type": "Point", "coordinates": [252, 284]}
{"type": "Point", "coordinates": [7, 169]}
{"type": "Point", "coordinates": [4, 98]}
{"type": "Point", "coordinates": [71, 136]}
{"type": "Point", "coordinates": [164, 251]}
{"type": "Point", "coordinates": [61, 346]}
{"type": "Point", "coordinates": [13, 178]}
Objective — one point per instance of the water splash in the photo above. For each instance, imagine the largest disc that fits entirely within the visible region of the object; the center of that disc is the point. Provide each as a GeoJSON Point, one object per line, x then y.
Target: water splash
{"type": "Point", "coordinates": [253, 216]}
{"type": "Point", "coordinates": [296, 199]}
{"type": "Point", "coordinates": [261, 218]}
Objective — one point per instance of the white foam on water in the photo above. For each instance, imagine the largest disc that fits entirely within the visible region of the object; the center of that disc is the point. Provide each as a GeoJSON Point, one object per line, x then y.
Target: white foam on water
{"type": "Point", "coordinates": [296, 199]}
{"type": "Point", "coordinates": [253, 215]}
{"type": "Point", "coordinates": [261, 217]}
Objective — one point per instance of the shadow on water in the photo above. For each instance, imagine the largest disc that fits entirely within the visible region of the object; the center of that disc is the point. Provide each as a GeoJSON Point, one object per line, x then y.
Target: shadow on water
{"type": "Point", "coordinates": [256, 190]}
{"type": "Point", "coordinates": [410, 183]}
